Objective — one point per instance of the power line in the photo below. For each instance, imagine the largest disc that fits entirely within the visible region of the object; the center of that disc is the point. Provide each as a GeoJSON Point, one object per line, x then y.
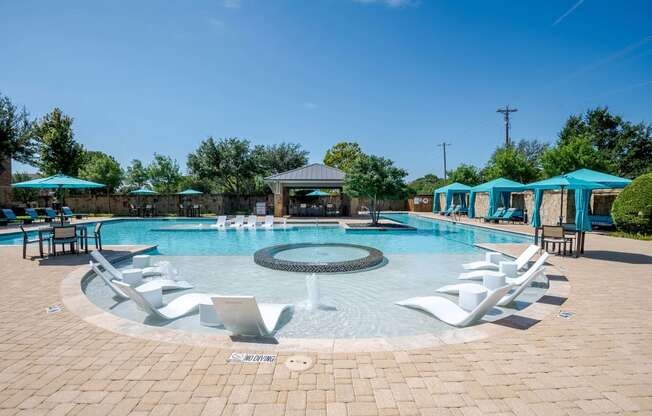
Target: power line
{"type": "Point", "coordinates": [505, 112]}
{"type": "Point", "coordinates": [443, 146]}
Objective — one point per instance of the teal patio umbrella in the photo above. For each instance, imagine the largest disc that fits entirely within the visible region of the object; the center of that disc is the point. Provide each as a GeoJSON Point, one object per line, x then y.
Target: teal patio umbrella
{"type": "Point", "coordinates": [59, 182]}
{"type": "Point", "coordinates": [609, 181]}
{"type": "Point", "coordinates": [189, 192]}
{"type": "Point", "coordinates": [317, 192]}
{"type": "Point", "coordinates": [142, 191]}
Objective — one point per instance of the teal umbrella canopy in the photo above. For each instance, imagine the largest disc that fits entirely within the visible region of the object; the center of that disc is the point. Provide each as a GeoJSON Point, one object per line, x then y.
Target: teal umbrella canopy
{"type": "Point", "coordinates": [58, 181]}
{"type": "Point", "coordinates": [610, 181]}
{"type": "Point", "coordinates": [500, 184]}
{"type": "Point", "coordinates": [453, 187]}
{"type": "Point", "coordinates": [189, 191]}
{"type": "Point", "coordinates": [564, 182]}
{"type": "Point", "coordinates": [143, 191]}
{"type": "Point", "coordinates": [317, 192]}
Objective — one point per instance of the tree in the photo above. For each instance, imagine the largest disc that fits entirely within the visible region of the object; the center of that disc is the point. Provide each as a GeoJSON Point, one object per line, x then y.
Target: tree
{"type": "Point", "coordinates": [24, 195]}
{"type": "Point", "coordinates": [136, 175]}
{"type": "Point", "coordinates": [632, 209]}
{"type": "Point", "coordinates": [376, 179]}
{"type": "Point", "coordinates": [164, 174]}
{"type": "Point", "coordinates": [466, 174]}
{"type": "Point", "coordinates": [343, 155]}
{"type": "Point", "coordinates": [532, 151]}
{"type": "Point", "coordinates": [58, 150]}
{"type": "Point", "coordinates": [427, 184]}
{"type": "Point", "coordinates": [280, 157]}
{"type": "Point", "coordinates": [16, 134]}
{"type": "Point", "coordinates": [626, 147]}
{"type": "Point", "coordinates": [511, 163]}
{"type": "Point", "coordinates": [101, 168]}
{"type": "Point", "coordinates": [228, 164]}
{"type": "Point", "coordinates": [574, 153]}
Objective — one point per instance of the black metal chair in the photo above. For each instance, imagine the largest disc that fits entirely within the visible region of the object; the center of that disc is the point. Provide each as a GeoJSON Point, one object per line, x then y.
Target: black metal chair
{"type": "Point", "coordinates": [64, 235]}
{"type": "Point", "coordinates": [97, 236]}
{"type": "Point", "coordinates": [27, 241]}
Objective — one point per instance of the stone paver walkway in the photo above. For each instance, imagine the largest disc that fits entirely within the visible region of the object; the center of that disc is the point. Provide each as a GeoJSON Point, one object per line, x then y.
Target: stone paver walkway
{"type": "Point", "coordinates": [599, 361]}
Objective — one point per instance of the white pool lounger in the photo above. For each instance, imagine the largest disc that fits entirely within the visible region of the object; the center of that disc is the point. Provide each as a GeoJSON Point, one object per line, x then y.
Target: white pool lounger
{"type": "Point", "coordinates": [251, 222]}
{"type": "Point", "coordinates": [220, 223]}
{"type": "Point", "coordinates": [163, 284]}
{"type": "Point", "coordinates": [238, 222]}
{"type": "Point", "coordinates": [448, 311]}
{"type": "Point", "coordinates": [521, 261]}
{"type": "Point", "coordinates": [178, 307]}
{"type": "Point", "coordinates": [269, 222]}
{"type": "Point", "coordinates": [242, 315]}
{"type": "Point", "coordinates": [147, 271]}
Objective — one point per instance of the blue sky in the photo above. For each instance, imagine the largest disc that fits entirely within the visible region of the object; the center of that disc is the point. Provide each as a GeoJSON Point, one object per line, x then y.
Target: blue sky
{"type": "Point", "coordinates": [397, 76]}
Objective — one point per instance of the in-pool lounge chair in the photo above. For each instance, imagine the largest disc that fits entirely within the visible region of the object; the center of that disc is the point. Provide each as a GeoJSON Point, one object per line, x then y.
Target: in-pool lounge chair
{"type": "Point", "coordinates": [448, 311]}
{"type": "Point", "coordinates": [176, 308]}
{"type": "Point", "coordinates": [242, 315]}
{"type": "Point", "coordinates": [220, 223]}
{"type": "Point", "coordinates": [238, 222]}
{"type": "Point", "coordinates": [117, 275]}
{"type": "Point", "coordinates": [269, 222]}
{"type": "Point", "coordinates": [521, 261]}
{"type": "Point", "coordinates": [163, 284]}
{"type": "Point", "coordinates": [251, 222]}
{"type": "Point", "coordinates": [497, 215]}
{"type": "Point", "coordinates": [518, 284]}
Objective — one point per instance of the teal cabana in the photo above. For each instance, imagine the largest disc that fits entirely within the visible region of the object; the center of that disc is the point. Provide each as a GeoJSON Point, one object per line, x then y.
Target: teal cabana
{"type": "Point", "coordinates": [499, 190]}
{"type": "Point", "coordinates": [605, 179]}
{"type": "Point", "coordinates": [451, 191]}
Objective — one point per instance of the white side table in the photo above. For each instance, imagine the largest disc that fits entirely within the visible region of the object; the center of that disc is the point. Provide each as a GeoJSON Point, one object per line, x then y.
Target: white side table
{"type": "Point", "coordinates": [493, 257]}
{"type": "Point", "coordinates": [471, 297]}
{"type": "Point", "coordinates": [493, 281]}
{"type": "Point", "coordinates": [132, 277]}
{"type": "Point", "coordinates": [508, 268]}
{"type": "Point", "coordinates": [208, 315]}
{"type": "Point", "coordinates": [141, 261]}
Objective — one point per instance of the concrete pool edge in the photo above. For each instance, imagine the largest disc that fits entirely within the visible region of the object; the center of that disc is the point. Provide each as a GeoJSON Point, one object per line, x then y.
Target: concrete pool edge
{"type": "Point", "coordinates": [76, 302]}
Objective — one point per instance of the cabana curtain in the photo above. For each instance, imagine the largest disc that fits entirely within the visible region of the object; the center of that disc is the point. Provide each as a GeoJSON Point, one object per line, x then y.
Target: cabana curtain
{"type": "Point", "coordinates": [582, 200]}
{"type": "Point", "coordinates": [536, 212]}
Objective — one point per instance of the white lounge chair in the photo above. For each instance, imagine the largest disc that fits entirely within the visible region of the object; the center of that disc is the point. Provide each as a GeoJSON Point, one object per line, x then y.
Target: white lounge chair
{"type": "Point", "coordinates": [220, 223]}
{"type": "Point", "coordinates": [251, 222]}
{"type": "Point", "coordinates": [178, 307]}
{"type": "Point", "coordinates": [163, 284]}
{"type": "Point", "coordinates": [238, 222]}
{"type": "Point", "coordinates": [269, 222]}
{"type": "Point", "coordinates": [164, 269]}
{"type": "Point", "coordinates": [518, 284]}
{"type": "Point", "coordinates": [242, 315]}
{"type": "Point", "coordinates": [479, 274]}
{"type": "Point", "coordinates": [448, 311]}
{"type": "Point", "coordinates": [521, 261]}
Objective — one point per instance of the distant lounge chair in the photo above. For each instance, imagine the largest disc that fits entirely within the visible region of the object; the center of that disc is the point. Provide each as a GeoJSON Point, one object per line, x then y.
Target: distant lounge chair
{"type": "Point", "coordinates": [50, 214]}
{"type": "Point", "coordinates": [9, 215]}
{"type": "Point", "coordinates": [33, 215]}
{"type": "Point", "coordinates": [450, 210]}
{"type": "Point", "coordinates": [251, 222]}
{"type": "Point", "coordinates": [176, 308]}
{"type": "Point", "coordinates": [67, 213]}
{"type": "Point", "coordinates": [521, 261]}
{"type": "Point", "coordinates": [242, 315]}
{"type": "Point", "coordinates": [448, 311]}
{"type": "Point", "coordinates": [220, 223]}
{"type": "Point", "coordinates": [269, 222]}
{"type": "Point", "coordinates": [117, 274]}
{"type": "Point", "coordinates": [512, 215]}
{"type": "Point", "coordinates": [238, 222]}
{"type": "Point", "coordinates": [163, 284]}
{"type": "Point", "coordinates": [603, 221]}
{"type": "Point", "coordinates": [518, 284]}
{"type": "Point", "coordinates": [497, 215]}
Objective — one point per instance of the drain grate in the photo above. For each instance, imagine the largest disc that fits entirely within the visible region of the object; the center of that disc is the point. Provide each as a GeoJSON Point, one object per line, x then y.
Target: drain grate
{"type": "Point", "coordinates": [299, 363]}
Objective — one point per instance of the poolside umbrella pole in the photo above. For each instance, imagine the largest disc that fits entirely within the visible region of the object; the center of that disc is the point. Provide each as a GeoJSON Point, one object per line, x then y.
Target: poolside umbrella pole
{"type": "Point", "coordinates": [58, 182]}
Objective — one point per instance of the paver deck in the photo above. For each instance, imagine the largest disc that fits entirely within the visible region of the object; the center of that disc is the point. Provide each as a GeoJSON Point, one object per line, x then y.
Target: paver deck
{"type": "Point", "coordinates": [599, 361]}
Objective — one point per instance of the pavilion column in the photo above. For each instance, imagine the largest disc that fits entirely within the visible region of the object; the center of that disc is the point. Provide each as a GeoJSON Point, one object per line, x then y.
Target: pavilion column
{"type": "Point", "coordinates": [279, 202]}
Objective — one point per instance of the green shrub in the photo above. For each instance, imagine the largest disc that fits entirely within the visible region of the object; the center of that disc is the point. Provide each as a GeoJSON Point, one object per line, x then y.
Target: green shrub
{"type": "Point", "coordinates": [632, 209]}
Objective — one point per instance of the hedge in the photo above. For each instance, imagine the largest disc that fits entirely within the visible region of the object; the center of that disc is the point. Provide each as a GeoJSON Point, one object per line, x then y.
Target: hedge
{"type": "Point", "coordinates": [632, 209]}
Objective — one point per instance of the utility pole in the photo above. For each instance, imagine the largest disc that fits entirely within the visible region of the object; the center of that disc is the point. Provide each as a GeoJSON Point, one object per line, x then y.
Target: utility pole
{"type": "Point", "coordinates": [443, 146]}
{"type": "Point", "coordinates": [506, 111]}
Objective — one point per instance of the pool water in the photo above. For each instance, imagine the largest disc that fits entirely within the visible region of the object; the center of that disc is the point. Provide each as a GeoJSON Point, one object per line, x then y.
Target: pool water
{"type": "Point", "coordinates": [355, 305]}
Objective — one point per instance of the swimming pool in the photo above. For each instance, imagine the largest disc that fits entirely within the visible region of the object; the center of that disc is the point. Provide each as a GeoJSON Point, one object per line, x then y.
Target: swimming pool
{"type": "Point", "coordinates": [355, 305]}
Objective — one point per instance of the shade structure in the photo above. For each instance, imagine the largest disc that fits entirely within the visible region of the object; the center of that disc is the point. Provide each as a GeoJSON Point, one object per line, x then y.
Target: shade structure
{"type": "Point", "coordinates": [609, 181]}
{"type": "Point", "coordinates": [189, 191]}
{"type": "Point", "coordinates": [564, 182]}
{"type": "Point", "coordinates": [450, 191]}
{"type": "Point", "coordinates": [317, 192]}
{"type": "Point", "coordinates": [497, 188]}
{"type": "Point", "coordinates": [58, 181]}
{"type": "Point", "coordinates": [143, 191]}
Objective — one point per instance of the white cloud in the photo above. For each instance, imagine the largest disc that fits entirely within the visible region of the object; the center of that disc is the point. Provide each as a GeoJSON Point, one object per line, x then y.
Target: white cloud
{"type": "Point", "coordinates": [389, 3]}
{"type": "Point", "coordinates": [232, 4]}
{"type": "Point", "coordinates": [568, 12]}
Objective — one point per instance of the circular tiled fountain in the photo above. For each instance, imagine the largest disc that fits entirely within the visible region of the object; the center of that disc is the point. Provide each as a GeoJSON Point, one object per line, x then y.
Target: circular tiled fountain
{"type": "Point", "coordinates": [318, 258]}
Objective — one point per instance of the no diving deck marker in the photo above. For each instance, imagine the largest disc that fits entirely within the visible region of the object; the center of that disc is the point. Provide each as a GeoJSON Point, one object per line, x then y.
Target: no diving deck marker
{"type": "Point", "coordinates": [53, 309]}
{"type": "Point", "coordinates": [566, 314]}
{"type": "Point", "coordinates": [242, 357]}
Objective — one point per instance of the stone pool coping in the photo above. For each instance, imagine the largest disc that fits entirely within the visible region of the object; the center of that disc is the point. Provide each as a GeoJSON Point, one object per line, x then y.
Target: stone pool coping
{"type": "Point", "coordinates": [75, 301]}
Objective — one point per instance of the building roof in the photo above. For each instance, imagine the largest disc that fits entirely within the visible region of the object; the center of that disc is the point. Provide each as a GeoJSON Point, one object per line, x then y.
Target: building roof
{"type": "Point", "coordinates": [312, 172]}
